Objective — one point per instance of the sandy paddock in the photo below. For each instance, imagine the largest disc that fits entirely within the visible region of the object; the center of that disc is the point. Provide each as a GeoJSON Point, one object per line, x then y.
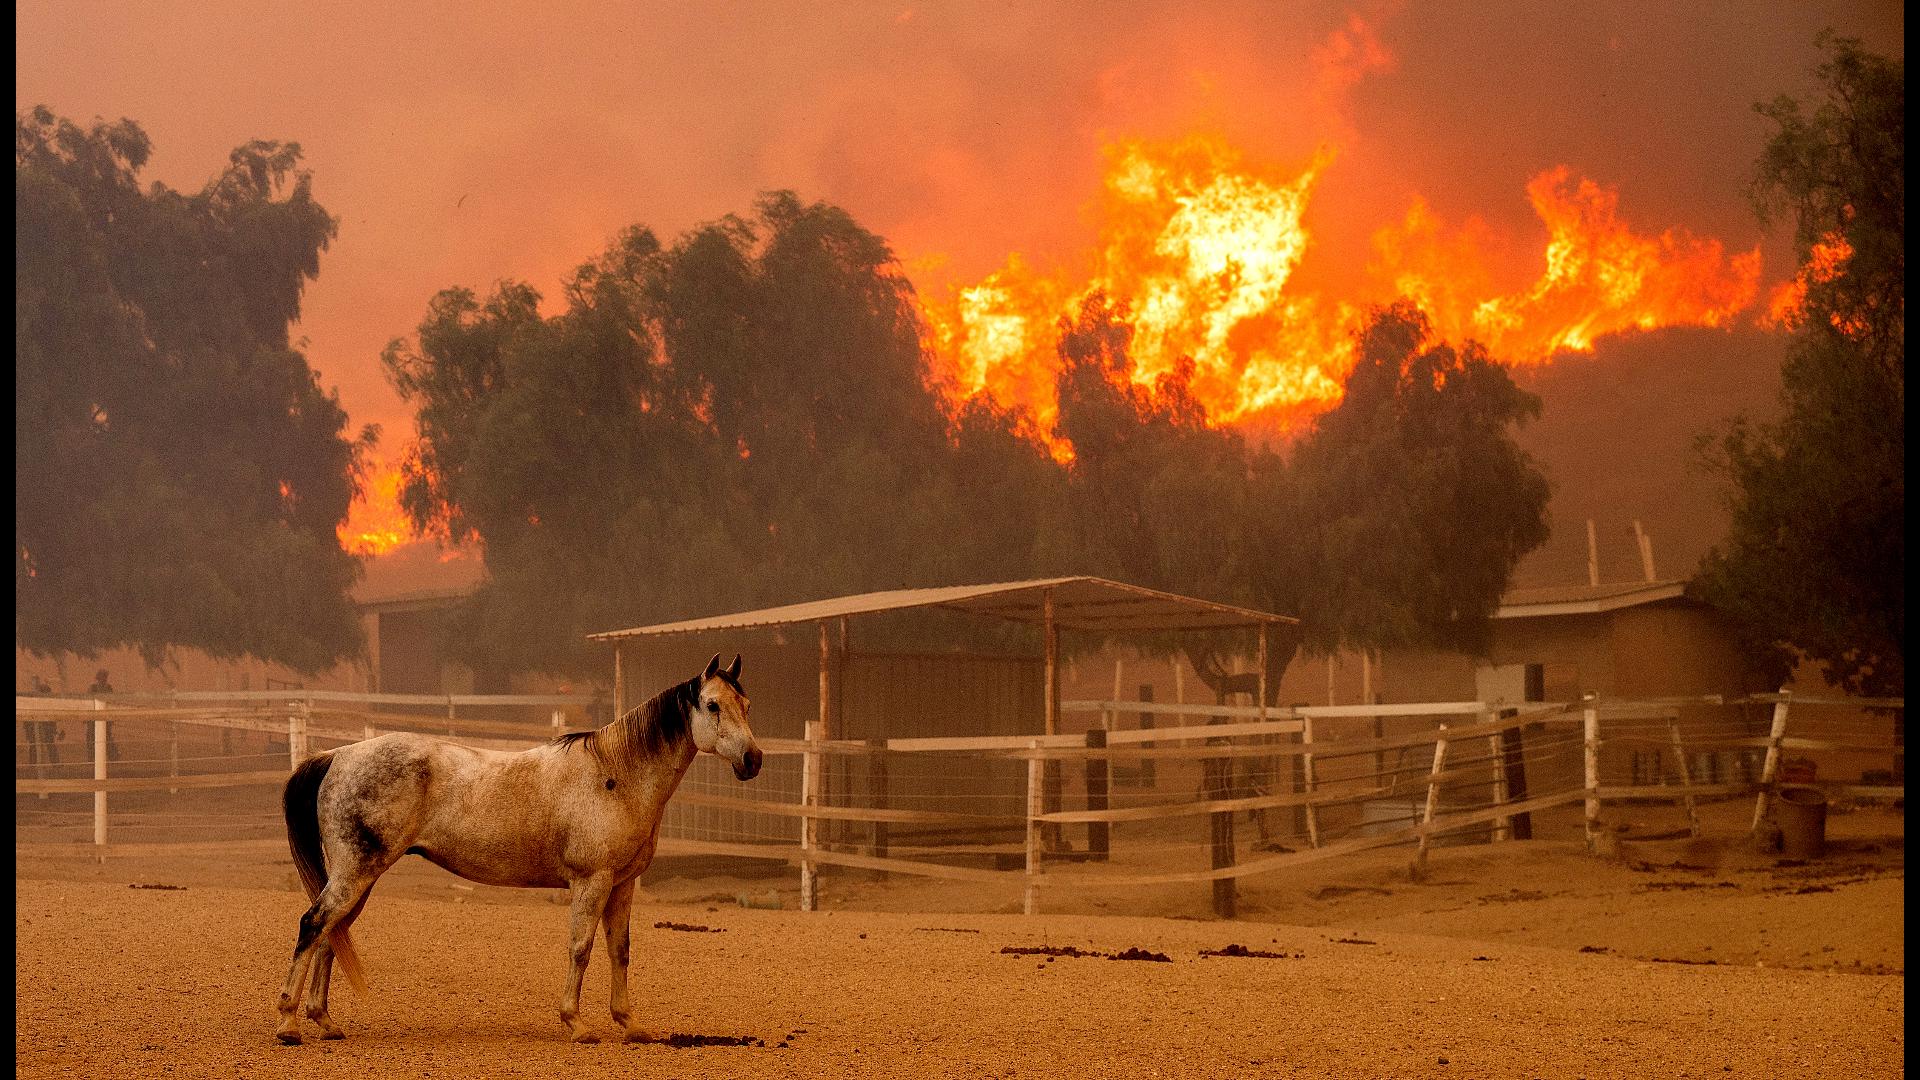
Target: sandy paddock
{"type": "Point", "coordinates": [1516, 960]}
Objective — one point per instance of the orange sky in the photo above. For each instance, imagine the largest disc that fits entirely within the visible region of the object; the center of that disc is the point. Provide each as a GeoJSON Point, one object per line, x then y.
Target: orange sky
{"type": "Point", "coordinates": [460, 144]}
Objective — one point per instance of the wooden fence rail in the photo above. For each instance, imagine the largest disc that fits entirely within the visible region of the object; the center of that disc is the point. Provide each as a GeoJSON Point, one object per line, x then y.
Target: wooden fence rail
{"type": "Point", "coordinates": [303, 718]}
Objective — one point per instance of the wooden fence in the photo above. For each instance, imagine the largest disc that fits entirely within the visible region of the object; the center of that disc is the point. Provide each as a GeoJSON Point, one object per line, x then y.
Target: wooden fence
{"type": "Point", "coordinates": [1476, 778]}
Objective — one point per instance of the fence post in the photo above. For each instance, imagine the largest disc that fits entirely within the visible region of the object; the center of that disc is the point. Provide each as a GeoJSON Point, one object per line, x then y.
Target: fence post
{"type": "Point", "coordinates": [1306, 758]}
{"type": "Point", "coordinates": [173, 753]}
{"type": "Point", "coordinates": [1218, 778]}
{"type": "Point", "coordinates": [1514, 766]}
{"type": "Point", "coordinates": [1036, 784]}
{"type": "Point", "coordinates": [877, 793]}
{"type": "Point", "coordinates": [450, 716]}
{"type": "Point", "coordinates": [1686, 775]}
{"type": "Point", "coordinates": [1419, 869]}
{"type": "Point", "coordinates": [810, 825]}
{"type": "Point", "coordinates": [99, 773]}
{"type": "Point", "coordinates": [1099, 833]}
{"type": "Point", "coordinates": [1590, 720]}
{"type": "Point", "coordinates": [1771, 769]}
{"type": "Point", "coordinates": [1502, 825]}
{"type": "Point", "coordinates": [297, 714]}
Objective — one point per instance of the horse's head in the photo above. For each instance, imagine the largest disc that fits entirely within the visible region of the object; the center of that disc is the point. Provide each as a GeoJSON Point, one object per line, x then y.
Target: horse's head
{"type": "Point", "coordinates": [719, 720]}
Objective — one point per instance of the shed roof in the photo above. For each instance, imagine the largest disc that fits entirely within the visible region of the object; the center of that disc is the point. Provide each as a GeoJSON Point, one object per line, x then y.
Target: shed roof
{"type": "Point", "coordinates": [1586, 599]}
{"type": "Point", "coordinates": [1079, 603]}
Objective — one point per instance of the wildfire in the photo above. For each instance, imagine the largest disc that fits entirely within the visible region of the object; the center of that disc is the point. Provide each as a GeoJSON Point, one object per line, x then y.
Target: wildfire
{"type": "Point", "coordinates": [1201, 246]}
{"type": "Point", "coordinates": [375, 523]}
{"type": "Point", "coordinates": [1787, 307]}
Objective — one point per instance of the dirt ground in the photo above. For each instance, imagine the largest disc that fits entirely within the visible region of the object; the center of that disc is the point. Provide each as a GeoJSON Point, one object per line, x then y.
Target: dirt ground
{"type": "Point", "coordinates": [1674, 958]}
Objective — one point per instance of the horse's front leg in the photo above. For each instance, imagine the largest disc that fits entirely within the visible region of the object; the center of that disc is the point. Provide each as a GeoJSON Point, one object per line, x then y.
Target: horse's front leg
{"type": "Point", "coordinates": [616, 922]}
{"type": "Point", "coordinates": [589, 902]}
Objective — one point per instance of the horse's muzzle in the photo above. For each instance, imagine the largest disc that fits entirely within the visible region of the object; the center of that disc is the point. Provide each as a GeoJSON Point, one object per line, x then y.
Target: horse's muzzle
{"type": "Point", "coordinates": [749, 766]}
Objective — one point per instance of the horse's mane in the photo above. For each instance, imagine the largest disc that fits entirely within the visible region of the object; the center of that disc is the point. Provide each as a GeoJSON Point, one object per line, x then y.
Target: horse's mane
{"type": "Point", "coordinates": [654, 727]}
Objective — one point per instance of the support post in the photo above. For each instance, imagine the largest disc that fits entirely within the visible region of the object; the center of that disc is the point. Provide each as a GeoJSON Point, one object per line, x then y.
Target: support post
{"type": "Point", "coordinates": [1050, 833]}
{"type": "Point", "coordinates": [1686, 775]}
{"type": "Point", "coordinates": [1147, 722]}
{"type": "Point", "coordinates": [877, 793]}
{"type": "Point", "coordinates": [1771, 770]}
{"type": "Point", "coordinates": [450, 714]}
{"type": "Point", "coordinates": [1036, 779]}
{"type": "Point", "coordinates": [619, 685]}
{"type": "Point", "coordinates": [1593, 554]}
{"type": "Point", "coordinates": [1590, 723]}
{"type": "Point", "coordinates": [99, 773]}
{"type": "Point", "coordinates": [173, 753]}
{"type": "Point", "coordinates": [1099, 833]}
{"type": "Point", "coordinates": [1644, 544]}
{"type": "Point", "coordinates": [1419, 870]}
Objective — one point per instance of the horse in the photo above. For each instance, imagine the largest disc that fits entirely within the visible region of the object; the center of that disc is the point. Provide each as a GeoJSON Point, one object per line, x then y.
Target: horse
{"type": "Point", "coordinates": [580, 812]}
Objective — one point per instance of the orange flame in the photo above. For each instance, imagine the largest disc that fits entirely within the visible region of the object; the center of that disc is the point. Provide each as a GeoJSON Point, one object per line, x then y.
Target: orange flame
{"type": "Point", "coordinates": [1202, 247]}
{"type": "Point", "coordinates": [1600, 277]}
{"type": "Point", "coordinates": [375, 523]}
{"type": "Point", "coordinates": [1787, 306]}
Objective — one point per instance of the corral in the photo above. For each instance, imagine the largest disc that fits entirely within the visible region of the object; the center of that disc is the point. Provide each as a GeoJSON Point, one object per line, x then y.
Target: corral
{"type": "Point", "coordinates": [1441, 888]}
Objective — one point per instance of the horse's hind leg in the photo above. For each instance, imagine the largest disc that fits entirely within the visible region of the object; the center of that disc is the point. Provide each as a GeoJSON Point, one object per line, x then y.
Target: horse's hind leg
{"type": "Point", "coordinates": [337, 902]}
{"type": "Point", "coordinates": [617, 926]}
{"type": "Point", "coordinates": [322, 979]}
{"type": "Point", "coordinates": [589, 901]}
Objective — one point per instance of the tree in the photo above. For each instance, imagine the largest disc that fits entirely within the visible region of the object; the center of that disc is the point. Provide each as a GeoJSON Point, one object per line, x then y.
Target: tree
{"type": "Point", "coordinates": [1815, 560]}
{"type": "Point", "coordinates": [1409, 503]}
{"type": "Point", "coordinates": [742, 419]}
{"type": "Point", "coordinates": [1397, 520]}
{"type": "Point", "coordinates": [179, 474]}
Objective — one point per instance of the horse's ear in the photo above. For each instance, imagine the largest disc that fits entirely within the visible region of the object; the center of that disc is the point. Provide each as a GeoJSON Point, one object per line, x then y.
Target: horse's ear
{"type": "Point", "coordinates": [733, 670]}
{"type": "Point", "coordinates": [713, 666]}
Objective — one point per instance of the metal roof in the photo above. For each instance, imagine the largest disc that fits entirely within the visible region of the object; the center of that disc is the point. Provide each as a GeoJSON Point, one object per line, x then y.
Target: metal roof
{"type": "Point", "coordinates": [1586, 599]}
{"type": "Point", "coordinates": [1079, 603]}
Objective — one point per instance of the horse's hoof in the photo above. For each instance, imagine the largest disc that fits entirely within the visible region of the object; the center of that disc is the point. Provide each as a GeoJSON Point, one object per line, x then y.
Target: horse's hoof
{"type": "Point", "coordinates": [333, 1033]}
{"type": "Point", "coordinates": [635, 1035]}
{"type": "Point", "coordinates": [585, 1036]}
{"type": "Point", "coordinates": [289, 1036]}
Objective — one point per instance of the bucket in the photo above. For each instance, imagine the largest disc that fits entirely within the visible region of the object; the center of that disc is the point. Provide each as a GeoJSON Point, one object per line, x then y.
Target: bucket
{"type": "Point", "coordinates": [1802, 814]}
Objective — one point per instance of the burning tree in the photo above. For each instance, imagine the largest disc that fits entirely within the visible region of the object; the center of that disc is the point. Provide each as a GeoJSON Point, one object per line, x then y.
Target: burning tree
{"type": "Point", "coordinates": [743, 418]}
{"type": "Point", "coordinates": [1817, 555]}
{"type": "Point", "coordinates": [752, 416]}
{"type": "Point", "coordinates": [179, 473]}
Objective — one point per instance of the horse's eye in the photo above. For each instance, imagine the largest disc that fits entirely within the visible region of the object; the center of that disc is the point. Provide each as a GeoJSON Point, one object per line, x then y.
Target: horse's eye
{"type": "Point", "coordinates": [713, 706]}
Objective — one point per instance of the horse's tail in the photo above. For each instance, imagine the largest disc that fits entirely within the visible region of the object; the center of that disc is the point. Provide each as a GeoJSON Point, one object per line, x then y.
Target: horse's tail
{"type": "Point", "coordinates": [301, 805]}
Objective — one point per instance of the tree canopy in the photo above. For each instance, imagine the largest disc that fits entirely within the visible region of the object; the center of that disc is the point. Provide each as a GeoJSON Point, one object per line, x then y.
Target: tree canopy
{"type": "Point", "coordinates": [179, 473]}
{"type": "Point", "coordinates": [738, 420]}
{"type": "Point", "coordinates": [748, 417]}
{"type": "Point", "coordinates": [1816, 558]}
{"type": "Point", "coordinates": [1396, 519]}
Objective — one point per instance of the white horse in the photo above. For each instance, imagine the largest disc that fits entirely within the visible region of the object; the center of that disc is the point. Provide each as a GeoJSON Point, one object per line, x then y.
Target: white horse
{"type": "Point", "coordinates": [580, 812]}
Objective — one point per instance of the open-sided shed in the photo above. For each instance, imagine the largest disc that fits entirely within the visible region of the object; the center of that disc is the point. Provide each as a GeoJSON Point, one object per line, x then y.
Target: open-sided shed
{"type": "Point", "coordinates": [1085, 604]}
{"type": "Point", "coordinates": [808, 681]}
